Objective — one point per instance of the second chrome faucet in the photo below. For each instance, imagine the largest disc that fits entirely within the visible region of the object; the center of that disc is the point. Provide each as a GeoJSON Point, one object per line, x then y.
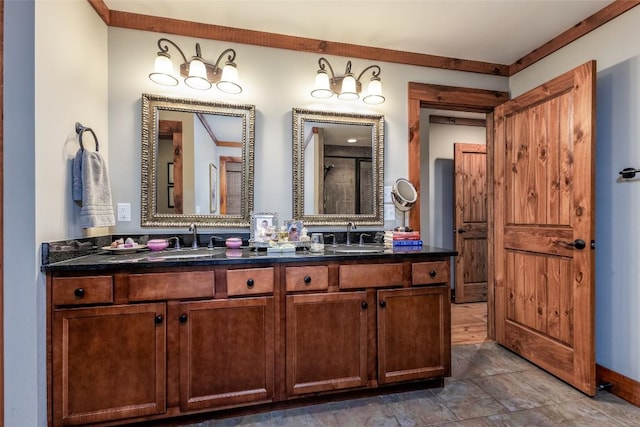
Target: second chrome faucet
{"type": "Point", "coordinates": [194, 229]}
{"type": "Point", "coordinates": [350, 226]}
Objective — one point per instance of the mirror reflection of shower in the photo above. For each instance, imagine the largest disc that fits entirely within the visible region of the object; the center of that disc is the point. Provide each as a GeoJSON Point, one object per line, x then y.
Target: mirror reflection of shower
{"type": "Point", "coordinates": [348, 182]}
{"type": "Point", "coordinates": [327, 169]}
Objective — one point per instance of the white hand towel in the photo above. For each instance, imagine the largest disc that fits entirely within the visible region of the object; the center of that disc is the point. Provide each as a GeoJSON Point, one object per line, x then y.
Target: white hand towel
{"type": "Point", "coordinates": [76, 177]}
{"type": "Point", "coordinates": [97, 208]}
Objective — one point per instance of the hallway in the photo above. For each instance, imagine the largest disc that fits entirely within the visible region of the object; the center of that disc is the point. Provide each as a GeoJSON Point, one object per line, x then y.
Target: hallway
{"type": "Point", "coordinates": [490, 386]}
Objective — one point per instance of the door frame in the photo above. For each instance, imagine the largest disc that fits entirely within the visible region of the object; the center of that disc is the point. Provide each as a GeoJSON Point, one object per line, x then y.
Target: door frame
{"type": "Point", "coordinates": [423, 95]}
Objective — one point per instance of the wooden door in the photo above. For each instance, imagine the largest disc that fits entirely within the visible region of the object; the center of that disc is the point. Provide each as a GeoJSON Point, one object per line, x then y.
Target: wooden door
{"type": "Point", "coordinates": [326, 342]}
{"type": "Point", "coordinates": [226, 352]}
{"type": "Point", "coordinates": [544, 223]}
{"type": "Point", "coordinates": [414, 339]}
{"type": "Point", "coordinates": [108, 363]}
{"type": "Point", "coordinates": [470, 222]}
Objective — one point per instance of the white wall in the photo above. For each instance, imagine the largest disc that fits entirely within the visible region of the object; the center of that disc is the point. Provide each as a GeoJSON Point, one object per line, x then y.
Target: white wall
{"type": "Point", "coordinates": [616, 48]}
{"type": "Point", "coordinates": [55, 75]}
{"type": "Point", "coordinates": [440, 185]}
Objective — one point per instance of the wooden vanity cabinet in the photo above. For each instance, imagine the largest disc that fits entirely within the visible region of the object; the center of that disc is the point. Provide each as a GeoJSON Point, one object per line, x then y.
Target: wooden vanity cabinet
{"type": "Point", "coordinates": [413, 340]}
{"type": "Point", "coordinates": [141, 344]}
{"type": "Point", "coordinates": [326, 343]}
{"type": "Point", "coordinates": [226, 344]}
{"type": "Point", "coordinates": [109, 363]}
{"type": "Point", "coordinates": [226, 352]}
{"type": "Point", "coordinates": [328, 336]}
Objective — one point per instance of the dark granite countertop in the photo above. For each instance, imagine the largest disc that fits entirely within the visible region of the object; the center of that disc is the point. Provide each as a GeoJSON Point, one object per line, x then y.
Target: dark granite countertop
{"type": "Point", "coordinates": [100, 260]}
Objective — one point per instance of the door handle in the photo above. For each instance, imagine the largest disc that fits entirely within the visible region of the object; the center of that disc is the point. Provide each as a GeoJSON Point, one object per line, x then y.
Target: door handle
{"type": "Point", "coordinates": [460, 230]}
{"type": "Point", "coordinates": [578, 244]}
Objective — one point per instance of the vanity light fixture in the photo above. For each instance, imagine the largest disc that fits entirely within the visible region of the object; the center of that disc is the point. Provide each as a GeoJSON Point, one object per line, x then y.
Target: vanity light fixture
{"type": "Point", "coordinates": [347, 87]}
{"type": "Point", "coordinates": [197, 73]}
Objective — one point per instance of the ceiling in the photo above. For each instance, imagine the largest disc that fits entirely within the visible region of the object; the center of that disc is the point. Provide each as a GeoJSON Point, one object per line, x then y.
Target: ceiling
{"type": "Point", "coordinates": [494, 31]}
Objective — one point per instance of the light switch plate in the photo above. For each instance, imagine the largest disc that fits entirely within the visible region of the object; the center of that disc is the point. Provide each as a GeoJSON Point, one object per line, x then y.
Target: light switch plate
{"type": "Point", "coordinates": [124, 212]}
{"type": "Point", "coordinates": [389, 212]}
{"type": "Point", "coordinates": [387, 194]}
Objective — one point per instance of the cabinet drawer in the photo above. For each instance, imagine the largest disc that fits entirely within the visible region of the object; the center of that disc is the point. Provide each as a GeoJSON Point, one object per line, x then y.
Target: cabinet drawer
{"type": "Point", "coordinates": [250, 281]}
{"type": "Point", "coordinates": [425, 273]}
{"type": "Point", "coordinates": [164, 286]}
{"type": "Point", "coordinates": [370, 275]}
{"type": "Point", "coordinates": [82, 290]}
{"type": "Point", "coordinates": [312, 278]}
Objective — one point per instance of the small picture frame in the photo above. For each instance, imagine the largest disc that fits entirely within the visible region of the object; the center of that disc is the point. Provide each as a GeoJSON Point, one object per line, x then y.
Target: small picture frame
{"type": "Point", "coordinates": [170, 173]}
{"type": "Point", "coordinates": [213, 188]}
{"type": "Point", "coordinates": [294, 228]}
{"type": "Point", "coordinates": [170, 197]}
{"type": "Point", "coordinates": [263, 225]}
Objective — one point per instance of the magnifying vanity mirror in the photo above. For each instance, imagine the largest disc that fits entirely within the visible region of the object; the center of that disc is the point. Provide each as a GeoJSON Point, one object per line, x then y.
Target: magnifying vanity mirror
{"type": "Point", "coordinates": [197, 163]}
{"type": "Point", "coordinates": [338, 171]}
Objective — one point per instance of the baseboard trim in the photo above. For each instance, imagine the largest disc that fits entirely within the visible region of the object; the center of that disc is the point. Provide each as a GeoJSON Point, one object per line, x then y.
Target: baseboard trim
{"type": "Point", "coordinates": [622, 386]}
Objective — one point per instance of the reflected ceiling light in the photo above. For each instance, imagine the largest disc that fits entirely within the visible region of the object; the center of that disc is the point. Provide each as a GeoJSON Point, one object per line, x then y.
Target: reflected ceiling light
{"type": "Point", "coordinates": [197, 73]}
{"type": "Point", "coordinates": [347, 86]}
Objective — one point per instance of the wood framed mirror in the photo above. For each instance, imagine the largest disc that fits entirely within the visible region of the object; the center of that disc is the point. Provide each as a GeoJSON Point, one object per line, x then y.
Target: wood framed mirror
{"type": "Point", "coordinates": [197, 163]}
{"type": "Point", "coordinates": [338, 168]}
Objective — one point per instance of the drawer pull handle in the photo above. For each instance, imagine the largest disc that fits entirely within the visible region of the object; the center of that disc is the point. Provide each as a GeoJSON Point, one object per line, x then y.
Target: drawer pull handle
{"type": "Point", "coordinates": [250, 283]}
{"type": "Point", "coordinates": [383, 304]}
{"type": "Point", "coordinates": [307, 279]}
{"type": "Point", "coordinates": [432, 273]}
{"type": "Point", "coordinates": [183, 318]}
{"type": "Point", "coordinates": [364, 305]}
{"type": "Point", "coordinates": [158, 319]}
{"type": "Point", "coordinates": [79, 292]}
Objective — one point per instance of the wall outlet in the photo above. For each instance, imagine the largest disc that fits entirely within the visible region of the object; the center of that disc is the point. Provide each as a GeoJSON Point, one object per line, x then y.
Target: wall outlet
{"type": "Point", "coordinates": [124, 212]}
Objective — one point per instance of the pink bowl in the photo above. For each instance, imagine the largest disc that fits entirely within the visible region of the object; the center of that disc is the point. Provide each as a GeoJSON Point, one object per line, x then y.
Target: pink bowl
{"type": "Point", "coordinates": [233, 242]}
{"type": "Point", "coordinates": [157, 244]}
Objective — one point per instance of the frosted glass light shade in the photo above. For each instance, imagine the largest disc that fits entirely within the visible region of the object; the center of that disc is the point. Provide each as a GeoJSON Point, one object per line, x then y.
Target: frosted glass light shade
{"type": "Point", "coordinates": [348, 91]}
{"type": "Point", "coordinates": [229, 81]}
{"type": "Point", "coordinates": [374, 92]}
{"type": "Point", "coordinates": [163, 72]}
{"type": "Point", "coordinates": [197, 78]}
{"type": "Point", "coordinates": [322, 88]}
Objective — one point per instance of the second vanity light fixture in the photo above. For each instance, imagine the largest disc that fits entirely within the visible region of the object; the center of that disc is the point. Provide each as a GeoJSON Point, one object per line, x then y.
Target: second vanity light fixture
{"type": "Point", "coordinates": [197, 73]}
{"type": "Point", "coordinates": [347, 87]}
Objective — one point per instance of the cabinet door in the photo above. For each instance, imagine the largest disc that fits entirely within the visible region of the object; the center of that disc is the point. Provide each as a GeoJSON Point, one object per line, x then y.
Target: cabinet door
{"type": "Point", "coordinates": [326, 342]}
{"type": "Point", "coordinates": [414, 338]}
{"type": "Point", "coordinates": [226, 352]}
{"type": "Point", "coordinates": [108, 363]}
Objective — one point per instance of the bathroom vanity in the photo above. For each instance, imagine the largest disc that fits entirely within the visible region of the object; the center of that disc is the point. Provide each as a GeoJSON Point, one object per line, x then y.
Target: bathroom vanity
{"type": "Point", "coordinates": [132, 338]}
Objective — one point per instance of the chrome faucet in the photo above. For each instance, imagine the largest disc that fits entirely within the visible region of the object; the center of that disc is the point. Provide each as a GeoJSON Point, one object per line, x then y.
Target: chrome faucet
{"type": "Point", "coordinates": [350, 226]}
{"type": "Point", "coordinates": [211, 239]}
{"type": "Point", "coordinates": [194, 229]}
{"type": "Point", "coordinates": [177, 245]}
{"type": "Point", "coordinates": [362, 236]}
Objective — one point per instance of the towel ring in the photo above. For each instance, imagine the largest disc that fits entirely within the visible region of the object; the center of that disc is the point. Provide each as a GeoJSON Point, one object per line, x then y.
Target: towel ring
{"type": "Point", "coordinates": [81, 129]}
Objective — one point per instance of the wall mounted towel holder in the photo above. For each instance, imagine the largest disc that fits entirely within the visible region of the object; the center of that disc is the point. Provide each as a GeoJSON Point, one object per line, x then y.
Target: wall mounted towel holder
{"type": "Point", "coordinates": [628, 173]}
{"type": "Point", "coordinates": [80, 130]}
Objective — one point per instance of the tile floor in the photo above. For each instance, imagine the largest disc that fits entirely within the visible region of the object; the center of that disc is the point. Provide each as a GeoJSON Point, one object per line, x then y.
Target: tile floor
{"type": "Point", "coordinates": [490, 386]}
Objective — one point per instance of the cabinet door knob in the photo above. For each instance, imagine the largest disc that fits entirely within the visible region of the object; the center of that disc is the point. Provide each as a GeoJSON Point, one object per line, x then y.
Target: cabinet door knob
{"type": "Point", "coordinates": [364, 305]}
{"type": "Point", "coordinates": [79, 292]}
{"type": "Point", "coordinates": [307, 279]}
{"type": "Point", "coordinates": [250, 283]}
{"type": "Point", "coordinates": [432, 273]}
{"type": "Point", "coordinates": [183, 318]}
{"type": "Point", "coordinates": [158, 319]}
{"type": "Point", "coordinates": [383, 304]}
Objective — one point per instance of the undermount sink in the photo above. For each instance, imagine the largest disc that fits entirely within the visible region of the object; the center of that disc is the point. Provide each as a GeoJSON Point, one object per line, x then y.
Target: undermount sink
{"type": "Point", "coordinates": [355, 249]}
{"type": "Point", "coordinates": [183, 254]}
